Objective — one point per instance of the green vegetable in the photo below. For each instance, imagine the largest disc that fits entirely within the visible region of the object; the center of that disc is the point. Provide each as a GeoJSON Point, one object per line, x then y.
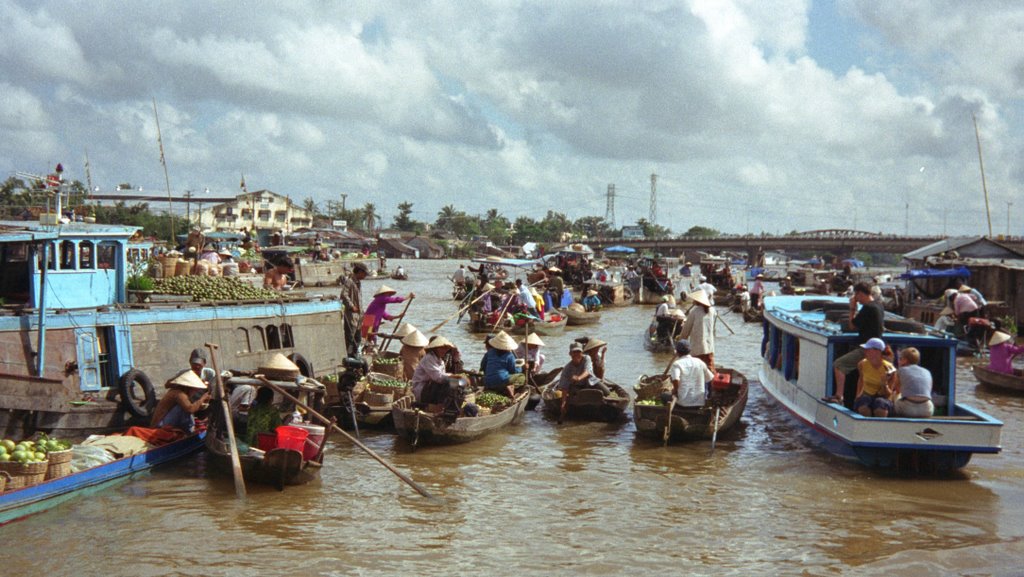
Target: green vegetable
{"type": "Point", "coordinates": [213, 288]}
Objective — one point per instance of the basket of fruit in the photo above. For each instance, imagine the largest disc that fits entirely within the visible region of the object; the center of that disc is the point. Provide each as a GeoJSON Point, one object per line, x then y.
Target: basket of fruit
{"type": "Point", "coordinates": [58, 455]}
{"type": "Point", "coordinates": [493, 402]}
{"type": "Point", "coordinates": [23, 462]}
{"type": "Point", "coordinates": [387, 363]}
{"type": "Point", "coordinates": [386, 384]}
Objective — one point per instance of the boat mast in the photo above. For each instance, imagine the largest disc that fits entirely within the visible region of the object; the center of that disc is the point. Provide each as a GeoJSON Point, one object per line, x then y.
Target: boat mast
{"type": "Point", "coordinates": [981, 163]}
{"type": "Point", "coordinates": [167, 179]}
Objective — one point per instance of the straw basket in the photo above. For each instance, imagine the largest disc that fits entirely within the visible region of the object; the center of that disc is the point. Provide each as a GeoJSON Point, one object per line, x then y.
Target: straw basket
{"type": "Point", "coordinates": [378, 399]}
{"type": "Point", "coordinates": [60, 464]}
{"type": "Point", "coordinates": [390, 367]}
{"type": "Point", "coordinates": [24, 475]}
{"type": "Point", "coordinates": [4, 478]}
{"type": "Point", "coordinates": [183, 268]}
{"type": "Point", "coordinates": [169, 264]}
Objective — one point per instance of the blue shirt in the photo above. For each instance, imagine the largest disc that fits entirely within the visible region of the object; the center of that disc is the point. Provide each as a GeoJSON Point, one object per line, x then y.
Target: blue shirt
{"type": "Point", "coordinates": [498, 365]}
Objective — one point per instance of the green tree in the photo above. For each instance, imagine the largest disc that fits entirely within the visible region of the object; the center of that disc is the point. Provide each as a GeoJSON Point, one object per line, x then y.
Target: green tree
{"type": "Point", "coordinates": [495, 227]}
{"type": "Point", "coordinates": [310, 206]}
{"type": "Point", "coordinates": [370, 216]}
{"type": "Point", "coordinates": [702, 232]}
{"type": "Point", "coordinates": [446, 218]}
{"type": "Point", "coordinates": [591, 226]}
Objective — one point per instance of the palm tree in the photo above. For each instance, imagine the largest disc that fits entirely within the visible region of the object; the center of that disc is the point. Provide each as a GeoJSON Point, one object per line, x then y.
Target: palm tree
{"type": "Point", "coordinates": [370, 216]}
{"type": "Point", "coordinates": [309, 205]}
{"type": "Point", "coordinates": [446, 217]}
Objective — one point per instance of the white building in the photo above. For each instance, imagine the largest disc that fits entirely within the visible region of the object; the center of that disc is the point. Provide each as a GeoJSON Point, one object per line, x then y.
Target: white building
{"type": "Point", "coordinates": [261, 210]}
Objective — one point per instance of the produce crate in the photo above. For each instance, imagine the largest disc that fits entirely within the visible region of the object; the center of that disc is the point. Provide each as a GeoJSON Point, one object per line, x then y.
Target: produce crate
{"type": "Point", "coordinates": [24, 475]}
{"type": "Point", "coordinates": [377, 399]}
{"type": "Point", "coordinates": [387, 390]}
{"type": "Point", "coordinates": [59, 464]}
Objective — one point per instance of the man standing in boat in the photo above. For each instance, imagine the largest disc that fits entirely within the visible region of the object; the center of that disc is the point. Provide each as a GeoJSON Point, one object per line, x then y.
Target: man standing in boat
{"type": "Point", "coordinates": [688, 376]}
{"type": "Point", "coordinates": [869, 324]}
{"type": "Point", "coordinates": [351, 297]}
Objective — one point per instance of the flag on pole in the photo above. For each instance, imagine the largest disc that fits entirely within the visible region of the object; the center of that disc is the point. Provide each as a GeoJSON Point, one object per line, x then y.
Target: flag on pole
{"type": "Point", "coordinates": [242, 185]}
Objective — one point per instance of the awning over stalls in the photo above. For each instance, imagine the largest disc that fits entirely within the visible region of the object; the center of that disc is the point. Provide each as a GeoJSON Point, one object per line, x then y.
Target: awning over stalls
{"type": "Point", "coordinates": [961, 271]}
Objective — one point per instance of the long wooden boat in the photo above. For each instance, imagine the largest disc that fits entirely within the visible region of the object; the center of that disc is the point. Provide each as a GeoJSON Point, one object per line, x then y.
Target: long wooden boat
{"type": "Point", "coordinates": [991, 378]}
{"type": "Point", "coordinates": [722, 409]}
{"type": "Point", "coordinates": [651, 341]}
{"type": "Point", "coordinates": [76, 357]}
{"type": "Point", "coordinates": [19, 503]}
{"type": "Point", "coordinates": [797, 352]}
{"type": "Point", "coordinates": [276, 466]}
{"type": "Point", "coordinates": [576, 318]}
{"type": "Point", "coordinates": [537, 384]}
{"type": "Point", "coordinates": [587, 404]}
{"type": "Point", "coordinates": [553, 324]}
{"type": "Point", "coordinates": [422, 428]}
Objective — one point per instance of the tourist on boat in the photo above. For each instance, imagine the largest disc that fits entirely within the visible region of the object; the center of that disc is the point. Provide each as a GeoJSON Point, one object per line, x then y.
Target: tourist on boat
{"type": "Point", "coordinates": [877, 381]}
{"type": "Point", "coordinates": [377, 311]}
{"type": "Point", "coordinates": [699, 328]}
{"type": "Point", "coordinates": [591, 302]}
{"type": "Point", "coordinates": [578, 373]}
{"type": "Point", "coordinates": [351, 297]}
{"type": "Point", "coordinates": [176, 409]}
{"type": "Point", "coordinates": [869, 324]}
{"type": "Point", "coordinates": [412, 352]}
{"type": "Point", "coordinates": [708, 289]}
{"type": "Point", "coordinates": [529, 351]}
{"type": "Point", "coordinates": [596, 349]}
{"type": "Point", "coordinates": [430, 380]}
{"type": "Point", "coordinates": [688, 376]}
{"type": "Point", "coordinates": [264, 416]}
{"type": "Point", "coordinates": [1002, 351]}
{"type": "Point", "coordinates": [756, 291]}
{"type": "Point", "coordinates": [525, 298]}
{"type": "Point", "coordinates": [459, 278]}
{"type": "Point", "coordinates": [744, 297]}
{"type": "Point", "coordinates": [503, 372]}
{"type": "Point", "coordinates": [914, 386]}
{"type": "Point", "coordinates": [276, 276]}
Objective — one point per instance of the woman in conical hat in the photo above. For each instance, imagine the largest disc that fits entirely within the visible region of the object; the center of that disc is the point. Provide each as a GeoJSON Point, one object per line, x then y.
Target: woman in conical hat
{"type": "Point", "coordinates": [596, 349]}
{"type": "Point", "coordinates": [699, 328]}
{"type": "Point", "coordinates": [413, 349]}
{"type": "Point", "coordinates": [377, 311]}
{"type": "Point", "coordinates": [529, 351]}
{"type": "Point", "coordinates": [1001, 352]}
{"type": "Point", "coordinates": [176, 409]}
{"type": "Point", "coordinates": [503, 373]}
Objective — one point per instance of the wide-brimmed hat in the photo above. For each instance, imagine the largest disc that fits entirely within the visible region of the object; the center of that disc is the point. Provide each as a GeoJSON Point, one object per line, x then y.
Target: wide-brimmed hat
{"type": "Point", "coordinates": [438, 341]}
{"type": "Point", "coordinates": [998, 338]}
{"type": "Point", "coordinates": [591, 293]}
{"type": "Point", "coordinates": [225, 252]}
{"type": "Point", "coordinates": [533, 339]}
{"type": "Point", "coordinates": [759, 275]}
{"type": "Point", "coordinates": [554, 269]}
{"type": "Point", "coordinates": [593, 344]}
{"type": "Point", "coordinates": [950, 291]}
{"type": "Point", "coordinates": [503, 342]}
{"type": "Point", "coordinates": [678, 313]}
{"type": "Point", "coordinates": [415, 339]}
{"type": "Point", "coordinates": [700, 297]}
{"type": "Point", "coordinates": [486, 287]}
{"type": "Point", "coordinates": [187, 378]}
{"type": "Point", "coordinates": [383, 290]}
{"type": "Point", "coordinates": [404, 330]}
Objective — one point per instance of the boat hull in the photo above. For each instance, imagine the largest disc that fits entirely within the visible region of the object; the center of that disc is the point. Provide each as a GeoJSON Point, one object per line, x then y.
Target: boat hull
{"type": "Point", "coordinates": [692, 423]}
{"type": "Point", "coordinates": [998, 380]}
{"type": "Point", "coordinates": [421, 428]}
{"type": "Point", "coordinates": [587, 404]}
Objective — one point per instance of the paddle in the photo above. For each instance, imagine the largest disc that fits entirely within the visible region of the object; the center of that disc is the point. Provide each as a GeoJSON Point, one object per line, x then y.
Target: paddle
{"type": "Point", "coordinates": [398, 322]}
{"type": "Point", "coordinates": [671, 406]}
{"type": "Point", "coordinates": [714, 433]}
{"type": "Point", "coordinates": [458, 313]}
{"type": "Point", "coordinates": [236, 462]}
{"type": "Point", "coordinates": [719, 318]}
{"type": "Point", "coordinates": [416, 487]}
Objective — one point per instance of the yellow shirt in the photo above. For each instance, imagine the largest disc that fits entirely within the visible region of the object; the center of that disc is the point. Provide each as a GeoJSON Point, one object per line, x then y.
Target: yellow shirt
{"type": "Point", "coordinates": [873, 377]}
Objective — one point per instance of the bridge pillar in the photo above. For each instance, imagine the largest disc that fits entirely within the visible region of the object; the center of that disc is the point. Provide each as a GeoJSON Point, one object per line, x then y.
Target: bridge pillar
{"type": "Point", "coordinates": [755, 256]}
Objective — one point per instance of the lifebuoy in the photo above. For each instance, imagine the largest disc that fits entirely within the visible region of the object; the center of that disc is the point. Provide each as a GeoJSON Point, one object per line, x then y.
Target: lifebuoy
{"type": "Point", "coordinates": [132, 384]}
{"type": "Point", "coordinates": [305, 368]}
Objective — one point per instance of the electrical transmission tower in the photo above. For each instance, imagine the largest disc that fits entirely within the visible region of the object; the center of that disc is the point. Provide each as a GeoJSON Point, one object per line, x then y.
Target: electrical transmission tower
{"type": "Point", "coordinates": [609, 207]}
{"type": "Point", "coordinates": [653, 217]}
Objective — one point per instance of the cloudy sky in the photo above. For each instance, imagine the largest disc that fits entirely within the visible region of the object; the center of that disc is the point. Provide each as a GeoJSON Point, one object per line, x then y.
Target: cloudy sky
{"type": "Point", "coordinates": [756, 115]}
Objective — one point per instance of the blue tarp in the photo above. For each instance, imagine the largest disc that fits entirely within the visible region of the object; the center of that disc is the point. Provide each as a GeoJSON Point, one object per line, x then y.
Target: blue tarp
{"type": "Point", "coordinates": [855, 263]}
{"type": "Point", "coordinates": [937, 273]}
{"type": "Point", "coordinates": [514, 262]}
{"type": "Point", "coordinates": [621, 249]}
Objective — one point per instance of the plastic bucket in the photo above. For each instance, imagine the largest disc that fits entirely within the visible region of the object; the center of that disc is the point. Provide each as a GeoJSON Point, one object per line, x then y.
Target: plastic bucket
{"type": "Point", "coordinates": [312, 444]}
{"type": "Point", "coordinates": [266, 441]}
{"type": "Point", "coordinates": [721, 381]}
{"type": "Point", "coordinates": [289, 437]}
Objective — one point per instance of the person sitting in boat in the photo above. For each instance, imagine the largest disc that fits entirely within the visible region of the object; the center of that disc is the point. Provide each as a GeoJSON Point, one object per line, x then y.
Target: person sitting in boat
{"type": "Point", "coordinates": [664, 318]}
{"type": "Point", "coordinates": [631, 278]}
{"type": "Point", "coordinates": [529, 351]}
{"type": "Point", "coordinates": [197, 362]}
{"type": "Point", "coordinates": [412, 352]}
{"type": "Point", "coordinates": [210, 255]}
{"type": "Point", "coordinates": [431, 384]}
{"type": "Point", "coordinates": [503, 372]}
{"type": "Point", "coordinates": [239, 403]}
{"type": "Point", "coordinates": [264, 416]}
{"type": "Point", "coordinates": [556, 286]}
{"type": "Point", "coordinates": [914, 386]}
{"type": "Point", "coordinates": [1002, 351]}
{"type": "Point", "coordinates": [400, 272]}
{"type": "Point", "coordinates": [377, 312]}
{"type": "Point", "coordinates": [786, 286]}
{"type": "Point", "coordinates": [744, 297]}
{"type": "Point", "coordinates": [578, 373]}
{"type": "Point", "coordinates": [878, 380]}
{"type": "Point", "coordinates": [176, 409]}
{"type": "Point", "coordinates": [596, 349]}
{"type": "Point", "coordinates": [459, 278]}
{"type": "Point", "coordinates": [699, 328]}
{"type": "Point", "coordinates": [525, 298]}
{"type": "Point", "coordinates": [276, 275]}
{"type": "Point", "coordinates": [868, 322]}
{"type": "Point", "coordinates": [688, 377]}
{"type": "Point", "coordinates": [946, 321]}
{"type": "Point", "coordinates": [591, 302]}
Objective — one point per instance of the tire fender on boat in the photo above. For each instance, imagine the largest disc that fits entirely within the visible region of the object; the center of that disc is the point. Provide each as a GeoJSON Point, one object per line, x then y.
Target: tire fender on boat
{"type": "Point", "coordinates": [139, 407]}
{"type": "Point", "coordinates": [305, 367]}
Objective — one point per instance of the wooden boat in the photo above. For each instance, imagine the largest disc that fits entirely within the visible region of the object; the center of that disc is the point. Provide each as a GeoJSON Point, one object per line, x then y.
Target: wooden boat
{"type": "Point", "coordinates": [989, 378]}
{"type": "Point", "coordinates": [576, 318]}
{"type": "Point", "coordinates": [373, 401]}
{"type": "Point", "coordinates": [796, 371]}
{"type": "Point", "coordinates": [396, 276]}
{"type": "Point", "coordinates": [651, 341]}
{"type": "Point", "coordinates": [273, 465]}
{"type": "Point", "coordinates": [722, 409]}
{"type": "Point", "coordinates": [611, 293]}
{"type": "Point", "coordinates": [537, 384]}
{"type": "Point", "coordinates": [420, 427]}
{"type": "Point", "coordinates": [553, 324]}
{"type": "Point", "coordinates": [752, 315]}
{"type": "Point", "coordinates": [587, 404]}
{"type": "Point", "coordinates": [19, 503]}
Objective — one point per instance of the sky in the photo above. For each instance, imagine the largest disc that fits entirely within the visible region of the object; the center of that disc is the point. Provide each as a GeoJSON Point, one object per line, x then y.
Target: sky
{"type": "Point", "coordinates": [755, 115]}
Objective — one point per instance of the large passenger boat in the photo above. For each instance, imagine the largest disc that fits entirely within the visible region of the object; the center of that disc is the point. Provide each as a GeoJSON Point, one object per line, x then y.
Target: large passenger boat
{"type": "Point", "coordinates": [798, 349]}
{"type": "Point", "coordinates": [77, 358]}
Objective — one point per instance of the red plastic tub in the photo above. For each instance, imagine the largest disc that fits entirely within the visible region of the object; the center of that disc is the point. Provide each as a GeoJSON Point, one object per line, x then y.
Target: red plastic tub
{"type": "Point", "coordinates": [293, 438]}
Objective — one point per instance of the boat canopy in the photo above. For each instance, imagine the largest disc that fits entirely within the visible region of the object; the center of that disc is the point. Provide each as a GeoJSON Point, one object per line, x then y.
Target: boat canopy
{"type": "Point", "coordinates": [960, 271]}
{"type": "Point", "coordinates": [620, 249]}
{"type": "Point", "coordinates": [513, 262]}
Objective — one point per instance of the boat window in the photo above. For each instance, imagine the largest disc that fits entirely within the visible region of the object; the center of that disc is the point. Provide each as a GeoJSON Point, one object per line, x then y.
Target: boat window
{"type": "Point", "coordinates": [791, 357]}
{"type": "Point", "coordinates": [106, 255]}
{"type": "Point", "coordinates": [765, 328]}
{"type": "Point", "coordinates": [51, 249]}
{"type": "Point", "coordinates": [242, 340]}
{"type": "Point", "coordinates": [775, 349]}
{"type": "Point", "coordinates": [15, 280]}
{"type": "Point", "coordinates": [257, 340]}
{"type": "Point", "coordinates": [273, 338]}
{"type": "Point", "coordinates": [85, 255]}
{"type": "Point", "coordinates": [286, 336]}
{"type": "Point", "coordinates": [67, 255]}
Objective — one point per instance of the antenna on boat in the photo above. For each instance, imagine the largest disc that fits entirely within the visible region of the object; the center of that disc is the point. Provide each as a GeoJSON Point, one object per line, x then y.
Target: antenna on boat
{"type": "Point", "coordinates": [167, 179]}
{"type": "Point", "coordinates": [981, 163]}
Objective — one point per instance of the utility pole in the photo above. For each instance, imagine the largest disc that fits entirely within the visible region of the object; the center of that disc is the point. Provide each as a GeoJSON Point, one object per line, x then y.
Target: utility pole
{"type": "Point", "coordinates": [981, 164]}
{"type": "Point", "coordinates": [609, 207]}
{"type": "Point", "coordinates": [188, 208]}
{"type": "Point", "coordinates": [1009, 203]}
{"type": "Point", "coordinates": [343, 197]}
{"type": "Point", "coordinates": [653, 217]}
{"type": "Point", "coordinates": [906, 219]}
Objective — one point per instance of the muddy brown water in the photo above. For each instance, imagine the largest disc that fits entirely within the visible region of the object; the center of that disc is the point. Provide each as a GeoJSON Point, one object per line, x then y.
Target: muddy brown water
{"type": "Point", "coordinates": [544, 499]}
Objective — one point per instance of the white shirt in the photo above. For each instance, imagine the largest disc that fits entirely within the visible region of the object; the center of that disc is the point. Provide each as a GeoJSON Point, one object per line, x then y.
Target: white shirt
{"type": "Point", "coordinates": [662, 310]}
{"type": "Point", "coordinates": [691, 373]}
{"type": "Point", "coordinates": [709, 290]}
{"type": "Point", "coordinates": [699, 328]}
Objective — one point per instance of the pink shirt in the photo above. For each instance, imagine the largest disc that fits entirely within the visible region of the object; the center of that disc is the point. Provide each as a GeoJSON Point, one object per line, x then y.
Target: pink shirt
{"type": "Point", "coordinates": [1000, 357]}
{"type": "Point", "coordinates": [964, 304]}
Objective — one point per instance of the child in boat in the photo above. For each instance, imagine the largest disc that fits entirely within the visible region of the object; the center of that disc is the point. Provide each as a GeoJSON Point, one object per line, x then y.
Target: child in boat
{"type": "Point", "coordinates": [1001, 352]}
{"type": "Point", "coordinates": [914, 386]}
{"type": "Point", "coordinates": [878, 380]}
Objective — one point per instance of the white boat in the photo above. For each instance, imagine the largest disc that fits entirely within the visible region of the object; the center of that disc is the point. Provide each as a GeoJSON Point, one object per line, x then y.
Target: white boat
{"type": "Point", "coordinates": [797, 352]}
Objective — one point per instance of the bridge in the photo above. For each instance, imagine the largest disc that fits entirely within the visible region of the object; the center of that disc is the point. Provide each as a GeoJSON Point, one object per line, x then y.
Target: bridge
{"type": "Point", "coordinates": [839, 242]}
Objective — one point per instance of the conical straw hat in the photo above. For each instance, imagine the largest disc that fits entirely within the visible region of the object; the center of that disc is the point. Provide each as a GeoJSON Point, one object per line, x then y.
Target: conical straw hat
{"type": "Point", "coordinates": [503, 342]}
{"type": "Point", "coordinates": [415, 339]}
{"type": "Point", "coordinates": [699, 296]}
{"type": "Point", "coordinates": [383, 290]}
{"type": "Point", "coordinates": [533, 339]}
{"type": "Point", "coordinates": [437, 342]}
{"type": "Point", "coordinates": [187, 378]}
{"type": "Point", "coordinates": [280, 367]}
{"type": "Point", "coordinates": [998, 338]}
{"type": "Point", "coordinates": [404, 330]}
{"type": "Point", "coordinates": [593, 344]}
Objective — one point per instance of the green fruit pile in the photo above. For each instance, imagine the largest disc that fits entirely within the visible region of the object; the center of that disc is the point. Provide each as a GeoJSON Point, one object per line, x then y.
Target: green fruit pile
{"type": "Point", "coordinates": [213, 288]}
{"type": "Point", "coordinates": [390, 383]}
{"type": "Point", "coordinates": [386, 361]}
{"type": "Point", "coordinates": [24, 452]}
{"type": "Point", "coordinates": [491, 400]}
{"type": "Point", "coordinates": [650, 402]}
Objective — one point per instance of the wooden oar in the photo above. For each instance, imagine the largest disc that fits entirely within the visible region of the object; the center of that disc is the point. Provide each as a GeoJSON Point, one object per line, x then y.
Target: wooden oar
{"type": "Point", "coordinates": [398, 323]}
{"type": "Point", "coordinates": [501, 317]}
{"type": "Point", "coordinates": [236, 461]}
{"type": "Point", "coordinates": [408, 481]}
{"type": "Point", "coordinates": [714, 433]}
{"type": "Point", "coordinates": [719, 318]}
{"type": "Point", "coordinates": [459, 312]}
{"type": "Point", "coordinates": [671, 405]}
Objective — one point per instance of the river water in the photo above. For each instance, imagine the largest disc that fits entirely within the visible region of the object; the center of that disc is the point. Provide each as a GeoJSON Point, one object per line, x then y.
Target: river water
{"type": "Point", "coordinates": [548, 499]}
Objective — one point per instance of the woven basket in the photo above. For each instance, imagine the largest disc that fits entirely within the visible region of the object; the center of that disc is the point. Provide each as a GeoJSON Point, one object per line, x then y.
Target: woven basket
{"type": "Point", "coordinates": [385, 390]}
{"type": "Point", "coordinates": [59, 464]}
{"type": "Point", "coordinates": [24, 475]}
{"type": "Point", "coordinates": [4, 477]}
{"type": "Point", "coordinates": [377, 399]}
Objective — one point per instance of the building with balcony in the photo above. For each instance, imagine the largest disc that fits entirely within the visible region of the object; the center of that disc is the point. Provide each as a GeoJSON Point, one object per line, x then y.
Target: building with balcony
{"type": "Point", "coordinates": [262, 210]}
